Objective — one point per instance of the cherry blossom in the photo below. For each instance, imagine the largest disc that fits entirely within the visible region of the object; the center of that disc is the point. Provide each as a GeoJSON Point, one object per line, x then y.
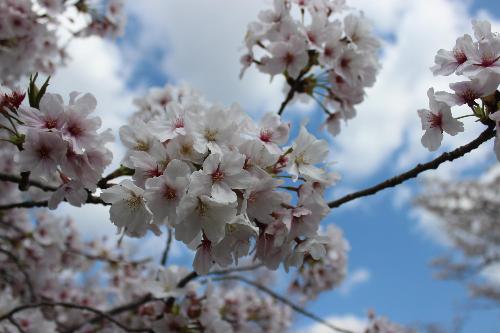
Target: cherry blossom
{"type": "Point", "coordinates": [128, 210]}
{"type": "Point", "coordinates": [435, 121]}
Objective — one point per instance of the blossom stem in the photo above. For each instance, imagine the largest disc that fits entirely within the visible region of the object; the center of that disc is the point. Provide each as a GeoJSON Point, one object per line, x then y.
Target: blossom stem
{"type": "Point", "coordinates": [164, 257]}
{"type": "Point", "coordinates": [121, 171]}
{"type": "Point", "coordinates": [321, 105]}
{"type": "Point", "coordinates": [467, 115]}
{"type": "Point", "coordinates": [412, 173]}
{"type": "Point", "coordinates": [283, 300]}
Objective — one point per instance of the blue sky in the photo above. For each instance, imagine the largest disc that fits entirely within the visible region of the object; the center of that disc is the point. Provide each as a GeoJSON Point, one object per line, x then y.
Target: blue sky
{"type": "Point", "coordinates": [198, 43]}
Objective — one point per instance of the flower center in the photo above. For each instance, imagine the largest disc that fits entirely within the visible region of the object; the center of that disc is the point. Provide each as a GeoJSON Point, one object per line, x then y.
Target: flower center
{"type": "Point", "coordinates": [435, 120]}
{"type": "Point", "coordinates": [134, 202]}
{"type": "Point", "coordinates": [266, 135]}
{"type": "Point", "coordinates": [50, 123]}
{"type": "Point", "coordinates": [460, 56]}
{"type": "Point", "coordinates": [288, 59]}
{"type": "Point", "coordinates": [210, 135]}
{"type": "Point", "coordinates": [43, 152]}
{"type": "Point", "coordinates": [170, 193]}
{"type": "Point", "coordinates": [179, 123]}
{"type": "Point", "coordinates": [142, 145]}
{"type": "Point", "coordinates": [217, 175]}
{"type": "Point", "coordinates": [75, 130]}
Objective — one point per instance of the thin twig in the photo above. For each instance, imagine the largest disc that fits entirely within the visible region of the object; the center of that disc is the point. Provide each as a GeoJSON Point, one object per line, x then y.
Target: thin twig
{"type": "Point", "coordinates": [434, 164]}
{"type": "Point", "coordinates": [109, 260]}
{"type": "Point", "coordinates": [25, 274]}
{"type": "Point", "coordinates": [16, 324]}
{"type": "Point", "coordinates": [288, 98]}
{"type": "Point", "coordinates": [71, 306]}
{"type": "Point", "coordinates": [283, 300]}
{"type": "Point", "coordinates": [164, 257]}
{"type": "Point", "coordinates": [113, 312]}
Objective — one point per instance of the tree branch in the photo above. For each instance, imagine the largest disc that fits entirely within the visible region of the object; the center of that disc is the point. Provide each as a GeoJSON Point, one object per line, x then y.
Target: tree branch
{"type": "Point", "coordinates": [33, 183]}
{"type": "Point", "coordinates": [71, 306]}
{"type": "Point", "coordinates": [283, 300]}
{"type": "Point", "coordinates": [44, 203]}
{"type": "Point", "coordinates": [434, 164]}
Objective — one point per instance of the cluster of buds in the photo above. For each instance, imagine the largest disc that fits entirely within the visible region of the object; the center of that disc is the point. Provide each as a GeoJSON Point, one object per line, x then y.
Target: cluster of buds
{"type": "Point", "coordinates": [29, 33]}
{"type": "Point", "coordinates": [218, 179]}
{"type": "Point", "coordinates": [479, 61]}
{"type": "Point", "coordinates": [322, 51]}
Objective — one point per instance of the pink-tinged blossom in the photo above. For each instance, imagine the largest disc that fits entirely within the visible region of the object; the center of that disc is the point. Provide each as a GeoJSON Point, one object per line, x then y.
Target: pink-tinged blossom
{"type": "Point", "coordinates": [170, 124]}
{"type": "Point", "coordinates": [448, 62]}
{"type": "Point", "coordinates": [482, 30]}
{"type": "Point", "coordinates": [332, 48]}
{"type": "Point", "coordinates": [236, 242]}
{"type": "Point", "coordinates": [220, 175]}
{"type": "Point", "coordinates": [213, 130]}
{"type": "Point", "coordinates": [201, 213]}
{"type": "Point", "coordinates": [149, 165]}
{"type": "Point", "coordinates": [466, 92]}
{"type": "Point", "coordinates": [128, 209]}
{"type": "Point", "coordinates": [78, 166]}
{"type": "Point", "coordinates": [358, 31]}
{"type": "Point", "coordinates": [332, 123]}
{"type": "Point", "coordinates": [314, 247]}
{"type": "Point", "coordinates": [272, 132]}
{"type": "Point", "coordinates": [261, 200]}
{"type": "Point", "coordinates": [290, 56]}
{"type": "Point", "coordinates": [483, 60]}
{"type": "Point", "coordinates": [72, 191]}
{"type": "Point", "coordinates": [182, 148]}
{"type": "Point", "coordinates": [203, 259]}
{"type": "Point", "coordinates": [43, 152]}
{"type": "Point", "coordinates": [50, 116]}
{"type": "Point", "coordinates": [164, 193]}
{"type": "Point", "coordinates": [306, 152]}
{"type": "Point", "coordinates": [79, 129]}
{"type": "Point", "coordinates": [436, 120]}
{"type": "Point", "coordinates": [136, 138]}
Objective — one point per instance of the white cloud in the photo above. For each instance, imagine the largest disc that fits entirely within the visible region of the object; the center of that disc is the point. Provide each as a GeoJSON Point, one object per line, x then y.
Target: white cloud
{"type": "Point", "coordinates": [348, 322]}
{"type": "Point", "coordinates": [430, 226]}
{"type": "Point", "coordinates": [357, 277]}
{"type": "Point", "coordinates": [389, 113]}
{"type": "Point", "coordinates": [203, 42]}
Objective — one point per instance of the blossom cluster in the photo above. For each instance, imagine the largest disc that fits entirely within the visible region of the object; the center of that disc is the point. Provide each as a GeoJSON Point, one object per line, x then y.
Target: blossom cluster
{"type": "Point", "coordinates": [47, 260]}
{"type": "Point", "coordinates": [478, 60]}
{"type": "Point", "coordinates": [30, 33]}
{"type": "Point", "coordinates": [62, 146]}
{"type": "Point", "coordinates": [216, 177]}
{"type": "Point", "coordinates": [316, 276]}
{"type": "Point", "coordinates": [468, 214]}
{"type": "Point", "coordinates": [324, 49]}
